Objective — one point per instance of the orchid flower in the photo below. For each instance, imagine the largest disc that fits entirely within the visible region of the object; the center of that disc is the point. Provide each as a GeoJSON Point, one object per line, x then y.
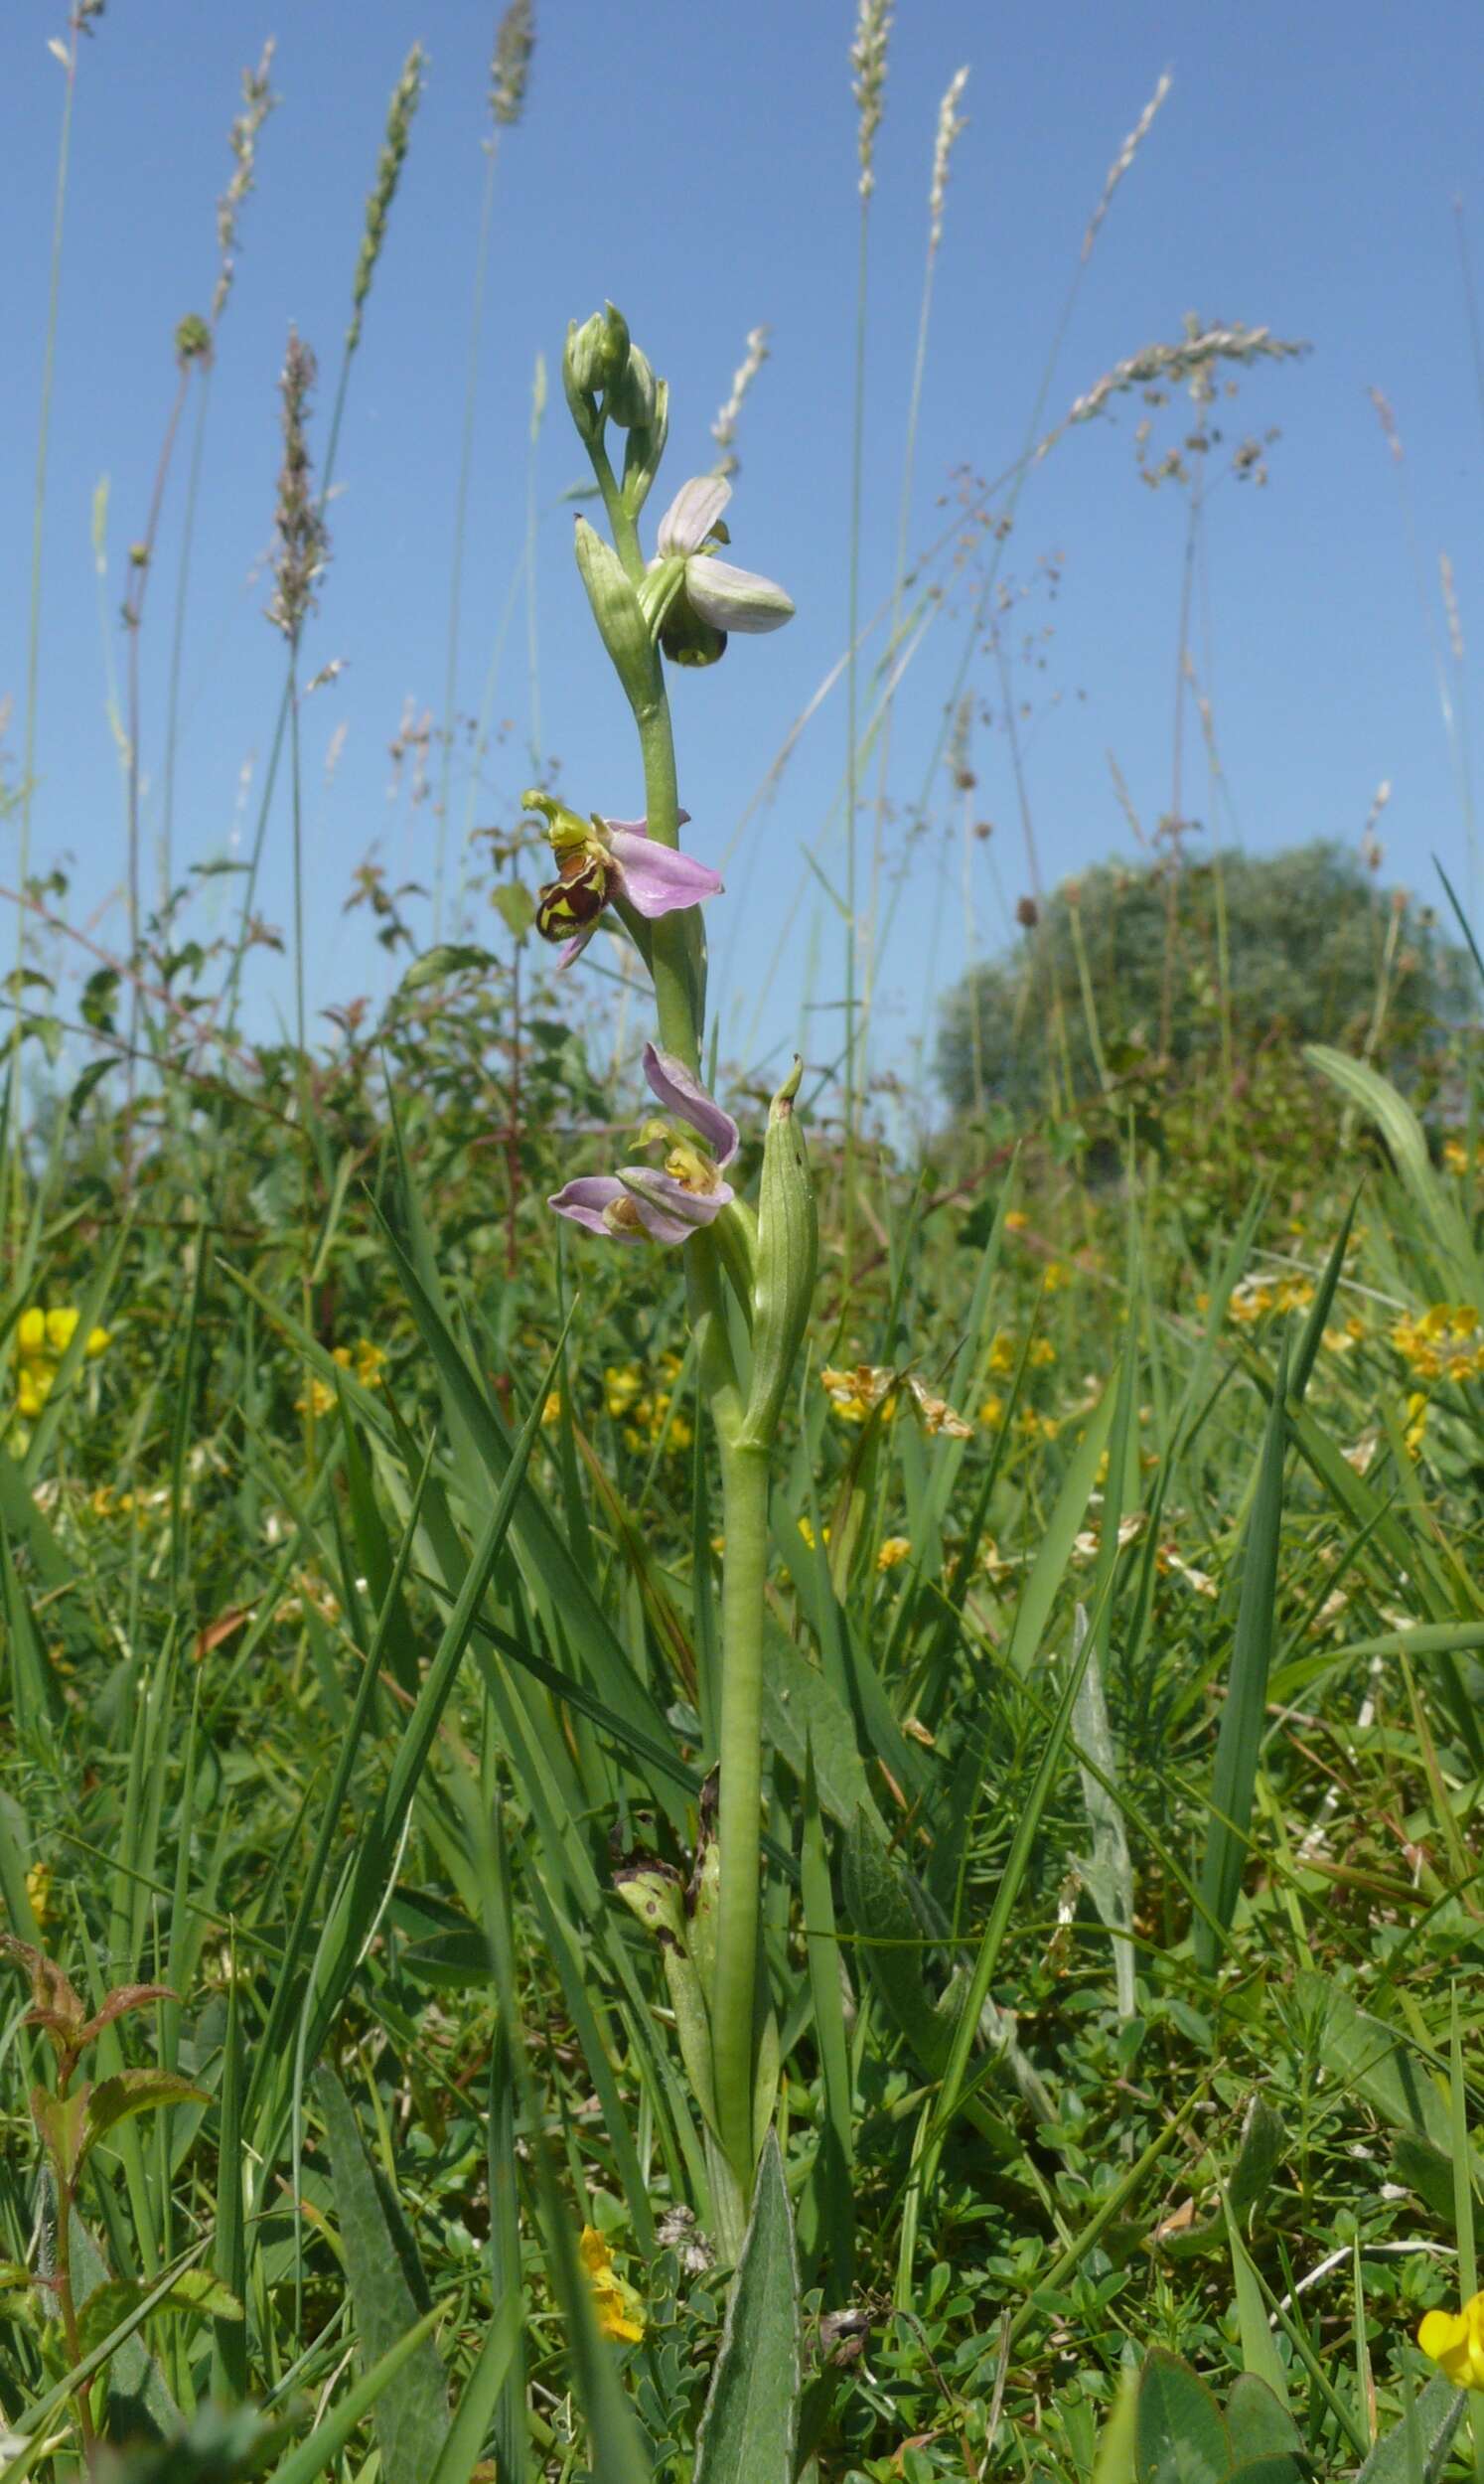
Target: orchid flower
{"type": "Point", "coordinates": [662, 1203]}
{"type": "Point", "coordinates": [599, 860]}
{"type": "Point", "coordinates": [700, 597]}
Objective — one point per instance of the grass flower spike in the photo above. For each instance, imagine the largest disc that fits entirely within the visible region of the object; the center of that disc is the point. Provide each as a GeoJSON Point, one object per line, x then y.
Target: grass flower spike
{"type": "Point", "coordinates": [600, 861]}
{"type": "Point", "coordinates": [662, 1203]}
{"type": "Point", "coordinates": [1454, 2341]}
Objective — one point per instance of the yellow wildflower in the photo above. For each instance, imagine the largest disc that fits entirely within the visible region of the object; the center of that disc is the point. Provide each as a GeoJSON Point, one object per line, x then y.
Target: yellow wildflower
{"type": "Point", "coordinates": [551, 1411]}
{"type": "Point", "coordinates": [371, 1362]}
{"type": "Point", "coordinates": [316, 1398]}
{"type": "Point", "coordinates": [855, 1394]}
{"type": "Point", "coordinates": [39, 1890]}
{"type": "Point", "coordinates": [621, 1384]}
{"type": "Point", "coordinates": [1456, 2342]}
{"type": "Point", "coordinates": [806, 1530]}
{"type": "Point", "coordinates": [992, 1411]}
{"type": "Point", "coordinates": [33, 1388]}
{"type": "Point", "coordinates": [1016, 1221]}
{"type": "Point", "coordinates": [31, 1333]}
{"type": "Point", "coordinates": [619, 2309]}
{"type": "Point", "coordinates": [1416, 1423]}
{"type": "Point", "coordinates": [1455, 1156]}
{"type": "Point", "coordinates": [1042, 1354]}
{"type": "Point", "coordinates": [1054, 1276]}
{"type": "Point", "coordinates": [894, 1549]}
{"type": "Point", "coordinates": [1003, 1351]}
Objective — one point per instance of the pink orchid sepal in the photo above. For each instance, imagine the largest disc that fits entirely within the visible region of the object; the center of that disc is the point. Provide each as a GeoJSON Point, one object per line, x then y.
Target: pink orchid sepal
{"type": "Point", "coordinates": [669, 1202]}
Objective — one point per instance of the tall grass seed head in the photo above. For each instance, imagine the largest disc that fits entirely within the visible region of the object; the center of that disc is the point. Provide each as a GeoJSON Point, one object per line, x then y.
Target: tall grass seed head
{"type": "Point", "coordinates": [868, 82]}
{"type": "Point", "coordinates": [509, 70]}
{"type": "Point", "coordinates": [405, 97]}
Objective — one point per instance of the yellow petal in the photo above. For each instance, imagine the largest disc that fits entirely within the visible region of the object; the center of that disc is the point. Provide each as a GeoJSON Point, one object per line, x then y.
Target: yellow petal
{"type": "Point", "coordinates": [31, 1333]}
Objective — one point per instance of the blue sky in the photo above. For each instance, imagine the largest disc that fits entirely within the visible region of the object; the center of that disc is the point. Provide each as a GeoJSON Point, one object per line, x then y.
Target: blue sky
{"type": "Point", "coordinates": [698, 166]}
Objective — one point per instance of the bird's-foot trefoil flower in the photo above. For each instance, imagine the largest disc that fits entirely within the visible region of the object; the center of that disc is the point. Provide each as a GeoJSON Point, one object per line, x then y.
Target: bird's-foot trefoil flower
{"type": "Point", "coordinates": [693, 598]}
{"type": "Point", "coordinates": [1454, 2341]}
{"type": "Point", "coordinates": [599, 860]}
{"type": "Point", "coordinates": [670, 1202]}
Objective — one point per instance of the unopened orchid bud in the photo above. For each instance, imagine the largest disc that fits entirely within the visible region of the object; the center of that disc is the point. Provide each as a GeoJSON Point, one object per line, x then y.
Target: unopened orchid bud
{"type": "Point", "coordinates": [615, 609]}
{"type": "Point", "coordinates": [598, 352]}
{"type": "Point", "coordinates": [633, 395]}
{"type": "Point", "coordinates": [644, 449]}
{"type": "Point", "coordinates": [787, 1253]}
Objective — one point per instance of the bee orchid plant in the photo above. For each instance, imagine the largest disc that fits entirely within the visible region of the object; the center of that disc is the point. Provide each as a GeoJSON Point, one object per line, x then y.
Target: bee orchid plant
{"type": "Point", "coordinates": [680, 605]}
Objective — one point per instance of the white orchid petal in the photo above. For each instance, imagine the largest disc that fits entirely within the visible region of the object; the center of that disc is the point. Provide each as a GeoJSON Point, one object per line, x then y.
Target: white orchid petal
{"type": "Point", "coordinates": [691, 515]}
{"type": "Point", "coordinates": [736, 599]}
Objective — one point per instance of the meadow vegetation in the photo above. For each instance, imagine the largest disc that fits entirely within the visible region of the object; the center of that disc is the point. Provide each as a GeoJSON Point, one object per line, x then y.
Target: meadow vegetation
{"type": "Point", "coordinates": [1047, 2044]}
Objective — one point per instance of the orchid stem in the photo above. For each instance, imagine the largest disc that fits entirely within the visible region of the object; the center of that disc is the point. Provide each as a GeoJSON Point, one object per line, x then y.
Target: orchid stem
{"type": "Point", "coordinates": [744, 1485]}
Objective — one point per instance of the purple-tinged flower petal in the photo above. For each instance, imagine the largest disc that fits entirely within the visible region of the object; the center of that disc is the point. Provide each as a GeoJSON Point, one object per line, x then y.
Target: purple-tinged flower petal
{"type": "Point", "coordinates": [693, 515]}
{"type": "Point", "coordinates": [736, 599]}
{"type": "Point", "coordinates": [657, 879]}
{"type": "Point", "coordinates": [636, 828]}
{"type": "Point", "coordinates": [675, 1088]}
{"type": "Point", "coordinates": [585, 1200]}
{"type": "Point", "coordinates": [671, 1212]}
{"type": "Point", "coordinates": [575, 946]}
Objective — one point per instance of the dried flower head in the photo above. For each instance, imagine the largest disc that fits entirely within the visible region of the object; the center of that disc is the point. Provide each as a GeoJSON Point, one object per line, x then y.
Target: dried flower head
{"type": "Point", "coordinates": [301, 538]}
{"type": "Point", "coordinates": [406, 95]}
{"type": "Point", "coordinates": [258, 100]}
{"type": "Point", "coordinates": [724, 429]}
{"type": "Point", "coordinates": [951, 125]}
{"type": "Point", "coordinates": [868, 82]}
{"type": "Point", "coordinates": [515, 43]}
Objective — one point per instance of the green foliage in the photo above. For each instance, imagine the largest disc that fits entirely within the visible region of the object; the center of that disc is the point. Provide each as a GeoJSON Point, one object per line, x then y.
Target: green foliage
{"type": "Point", "coordinates": [1191, 964]}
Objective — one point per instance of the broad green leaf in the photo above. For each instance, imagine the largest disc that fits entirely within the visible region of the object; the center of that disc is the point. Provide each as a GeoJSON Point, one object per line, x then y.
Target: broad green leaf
{"type": "Point", "coordinates": [1376, 2063]}
{"type": "Point", "coordinates": [1259, 2422]}
{"type": "Point", "coordinates": [752, 2412]}
{"type": "Point", "coordinates": [330, 2435]}
{"type": "Point", "coordinates": [1435, 2416]}
{"type": "Point", "coordinates": [134, 2092]}
{"type": "Point", "coordinates": [195, 2292]}
{"type": "Point", "coordinates": [436, 964]}
{"type": "Point", "coordinates": [388, 2292]}
{"type": "Point", "coordinates": [1180, 2435]}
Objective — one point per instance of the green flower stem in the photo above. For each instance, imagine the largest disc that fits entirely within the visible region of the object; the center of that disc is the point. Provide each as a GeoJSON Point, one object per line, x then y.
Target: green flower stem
{"type": "Point", "coordinates": [676, 953]}
{"type": "Point", "coordinates": [676, 958]}
{"type": "Point", "coordinates": [744, 1485]}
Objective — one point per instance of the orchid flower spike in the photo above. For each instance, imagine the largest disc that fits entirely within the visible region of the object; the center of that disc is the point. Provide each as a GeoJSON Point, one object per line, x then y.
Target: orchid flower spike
{"type": "Point", "coordinates": [666, 1203]}
{"type": "Point", "coordinates": [700, 597]}
{"type": "Point", "coordinates": [598, 859]}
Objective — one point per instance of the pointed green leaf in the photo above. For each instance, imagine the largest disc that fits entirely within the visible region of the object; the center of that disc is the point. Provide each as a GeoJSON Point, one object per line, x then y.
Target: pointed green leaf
{"type": "Point", "coordinates": [388, 2292]}
{"type": "Point", "coordinates": [752, 2413]}
{"type": "Point", "coordinates": [1435, 2413]}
